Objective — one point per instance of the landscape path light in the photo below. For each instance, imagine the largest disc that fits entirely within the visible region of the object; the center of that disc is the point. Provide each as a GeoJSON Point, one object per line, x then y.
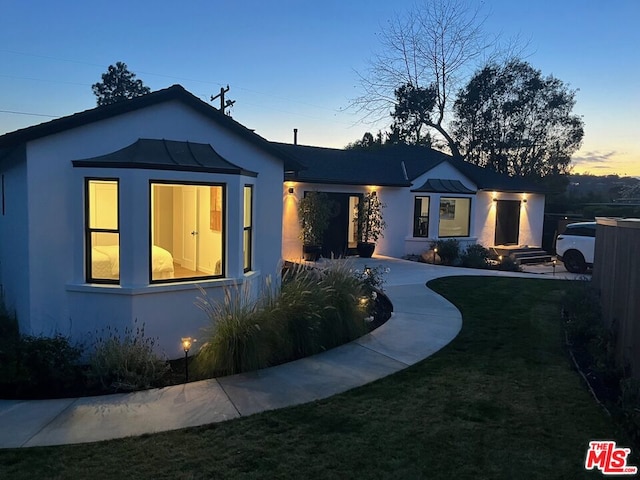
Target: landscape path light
{"type": "Point", "coordinates": [186, 346]}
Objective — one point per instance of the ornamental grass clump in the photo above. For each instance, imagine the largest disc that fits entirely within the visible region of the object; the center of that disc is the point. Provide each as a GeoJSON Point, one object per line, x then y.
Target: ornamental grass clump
{"type": "Point", "coordinates": [345, 319]}
{"type": "Point", "coordinates": [237, 335]}
{"type": "Point", "coordinates": [310, 311]}
{"type": "Point", "coordinates": [127, 361]}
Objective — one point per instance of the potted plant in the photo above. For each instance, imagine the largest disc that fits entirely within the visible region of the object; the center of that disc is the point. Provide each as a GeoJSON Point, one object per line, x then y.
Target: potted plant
{"type": "Point", "coordinates": [314, 212]}
{"type": "Point", "coordinates": [369, 223]}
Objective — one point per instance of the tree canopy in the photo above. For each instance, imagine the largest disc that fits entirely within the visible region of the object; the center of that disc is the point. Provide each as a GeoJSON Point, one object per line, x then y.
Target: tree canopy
{"type": "Point", "coordinates": [424, 56]}
{"type": "Point", "coordinates": [118, 84]}
{"type": "Point", "coordinates": [512, 119]}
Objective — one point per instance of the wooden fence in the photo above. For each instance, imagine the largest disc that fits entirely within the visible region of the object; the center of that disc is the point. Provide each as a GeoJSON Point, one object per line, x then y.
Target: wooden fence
{"type": "Point", "coordinates": [616, 273]}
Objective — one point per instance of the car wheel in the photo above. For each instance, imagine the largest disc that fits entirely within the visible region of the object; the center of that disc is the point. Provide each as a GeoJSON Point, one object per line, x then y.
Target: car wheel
{"type": "Point", "coordinates": [574, 262]}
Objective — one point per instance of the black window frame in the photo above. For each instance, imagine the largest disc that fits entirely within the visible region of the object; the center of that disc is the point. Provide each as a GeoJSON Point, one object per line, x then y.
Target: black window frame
{"type": "Point", "coordinates": [223, 236]}
{"type": "Point", "coordinates": [417, 219]}
{"type": "Point", "coordinates": [468, 219]}
{"type": "Point", "coordinates": [88, 231]}
{"type": "Point", "coordinates": [247, 230]}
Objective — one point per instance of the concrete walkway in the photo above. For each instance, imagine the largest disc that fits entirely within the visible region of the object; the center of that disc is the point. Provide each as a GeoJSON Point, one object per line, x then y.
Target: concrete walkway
{"type": "Point", "coordinates": [422, 323]}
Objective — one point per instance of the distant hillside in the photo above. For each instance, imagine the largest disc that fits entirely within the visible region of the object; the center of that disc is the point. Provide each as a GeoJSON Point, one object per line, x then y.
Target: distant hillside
{"type": "Point", "coordinates": [597, 189]}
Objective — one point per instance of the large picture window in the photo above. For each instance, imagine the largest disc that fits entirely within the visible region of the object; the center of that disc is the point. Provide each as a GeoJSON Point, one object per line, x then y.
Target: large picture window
{"type": "Point", "coordinates": [102, 231]}
{"type": "Point", "coordinates": [247, 233]}
{"type": "Point", "coordinates": [455, 215]}
{"type": "Point", "coordinates": [421, 217]}
{"type": "Point", "coordinates": [187, 242]}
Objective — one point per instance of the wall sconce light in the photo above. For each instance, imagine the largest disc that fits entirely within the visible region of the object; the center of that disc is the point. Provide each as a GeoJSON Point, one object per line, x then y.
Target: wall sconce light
{"type": "Point", "coordinates": [494, 199]}
{"type": "Point", "coordinates": [524, 200]}
{"type": "Point", "coordinates": [290, 190]}
{"type": "Point", "coordinates": [186, 346]}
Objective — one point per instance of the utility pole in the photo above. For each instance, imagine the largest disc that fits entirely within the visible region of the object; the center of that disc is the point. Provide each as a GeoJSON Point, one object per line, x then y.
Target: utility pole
{"type": "Point", "coordinates": [223, 104]}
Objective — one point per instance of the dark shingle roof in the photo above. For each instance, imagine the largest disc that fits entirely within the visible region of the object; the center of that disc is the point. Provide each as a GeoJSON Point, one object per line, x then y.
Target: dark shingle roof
{"type": "Point", "coordinates": [348, 167]}
{"type": "Point", "coordinates": [166, 155]}
{"type": "Point", "coordinates": [175, 92]}
{"type": "Point", "coordinates": [438, 185]}
{"type": "Point", "coordinates": [387, 167]}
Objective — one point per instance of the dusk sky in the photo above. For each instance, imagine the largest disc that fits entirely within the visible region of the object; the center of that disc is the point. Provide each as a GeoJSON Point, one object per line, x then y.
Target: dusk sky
{"type": "Point", "coordinates": [293, 64]}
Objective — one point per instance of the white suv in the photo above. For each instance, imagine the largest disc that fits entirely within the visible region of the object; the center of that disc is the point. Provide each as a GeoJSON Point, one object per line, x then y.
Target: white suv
{"type": "Point", "coordinates": [575, 246]}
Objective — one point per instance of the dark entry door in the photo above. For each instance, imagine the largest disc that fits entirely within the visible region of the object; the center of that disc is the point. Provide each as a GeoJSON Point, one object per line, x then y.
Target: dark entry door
{"type": "Point", "coordinates": [336, 239]}
{"type": "Point", "coordinates": [507, 222]}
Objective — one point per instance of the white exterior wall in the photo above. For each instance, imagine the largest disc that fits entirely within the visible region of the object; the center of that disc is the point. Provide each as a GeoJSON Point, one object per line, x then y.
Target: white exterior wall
{"type": "Point", "coordinates": [60, 301]}
{"type": "Point", "coordinates": [14, 246]}
{"type": "Point", "coordinates": [446, 171]}
{"type": "Point", "coordinates": [531, 217]}
{"type": "Point", "coordinates": [395, 216]}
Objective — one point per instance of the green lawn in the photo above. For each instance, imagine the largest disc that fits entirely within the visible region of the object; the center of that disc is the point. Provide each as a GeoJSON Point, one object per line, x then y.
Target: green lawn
{"type": "Point", "coordinates": [501, 401]}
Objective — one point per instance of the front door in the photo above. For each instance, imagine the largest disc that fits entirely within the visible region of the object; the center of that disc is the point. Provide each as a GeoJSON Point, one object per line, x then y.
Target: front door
{"type": "Point", "coordinates": [339, 236]}
{"type": "Point", "coordinates": [507, 222]}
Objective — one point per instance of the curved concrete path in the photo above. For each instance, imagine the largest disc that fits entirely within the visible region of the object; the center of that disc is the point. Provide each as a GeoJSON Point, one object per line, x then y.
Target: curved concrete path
{"type": "Point", "coordinates": [423, 322]}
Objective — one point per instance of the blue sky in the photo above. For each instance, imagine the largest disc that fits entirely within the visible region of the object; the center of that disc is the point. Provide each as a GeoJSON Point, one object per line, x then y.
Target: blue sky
{"type": "Point", "coordinates": [293, 64]}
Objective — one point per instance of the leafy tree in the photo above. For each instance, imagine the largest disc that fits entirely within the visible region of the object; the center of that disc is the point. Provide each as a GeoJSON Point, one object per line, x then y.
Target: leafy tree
{"type": "Point", "coordinates": [368, 142]}
{"type": "Point", "coordinates": [118, 83]}
{"type": "Point", "coordinates": [631, 192]}
{"type": "Point", "coordinates": [512, 119]}
{"type": "Point", "coordinates": [411, 113]}
{"type": "Point", "coordinates": [424, 56]}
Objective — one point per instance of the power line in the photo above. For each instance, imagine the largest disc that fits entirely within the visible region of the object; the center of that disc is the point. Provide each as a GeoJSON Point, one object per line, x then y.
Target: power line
{"type": "Point", "coordinates": [28, 113]}
{"type": "Point", "coordinates": [220, 84]}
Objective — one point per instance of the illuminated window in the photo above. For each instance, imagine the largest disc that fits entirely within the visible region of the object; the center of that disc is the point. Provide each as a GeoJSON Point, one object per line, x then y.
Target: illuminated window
{"type": "Point", "coordinates": [102, 231]}
{"type": "Point", "coordinates": [421, 217]}
{"type": "Point", "coordinates": [187, 231]}
{"type": "Point", "coordinates": [247, 227]}
{"type": "Point", "coordinates": [455, 215]}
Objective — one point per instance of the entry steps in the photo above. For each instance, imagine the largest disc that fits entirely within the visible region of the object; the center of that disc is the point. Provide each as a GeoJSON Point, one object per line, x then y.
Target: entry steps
{"type": "Point", "coordinates": [524, 254]}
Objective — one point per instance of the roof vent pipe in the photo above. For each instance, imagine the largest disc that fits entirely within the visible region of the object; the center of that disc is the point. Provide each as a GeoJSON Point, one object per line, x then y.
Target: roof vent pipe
{"type": "Point", "coordinates": [295, 136]}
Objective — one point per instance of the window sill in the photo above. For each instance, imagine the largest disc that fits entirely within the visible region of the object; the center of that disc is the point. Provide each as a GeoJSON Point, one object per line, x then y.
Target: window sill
{"type": "Point", "coordinates": [158, 287]}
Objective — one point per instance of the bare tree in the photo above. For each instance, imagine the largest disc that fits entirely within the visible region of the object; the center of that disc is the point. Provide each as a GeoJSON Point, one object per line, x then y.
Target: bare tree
{"type": "Point", "coordinates": [435, 46]}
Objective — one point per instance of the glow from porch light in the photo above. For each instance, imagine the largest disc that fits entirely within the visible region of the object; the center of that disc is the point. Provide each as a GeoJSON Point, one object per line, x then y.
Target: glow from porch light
{"type": "Point", "coordinates": [372, 188]}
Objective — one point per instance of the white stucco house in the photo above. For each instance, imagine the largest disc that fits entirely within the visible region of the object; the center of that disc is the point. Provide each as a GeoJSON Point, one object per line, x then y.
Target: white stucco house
{"type": "Point", "coordinates": [428, 195]}
{"type": "Point", "coordinates": [120, 212]}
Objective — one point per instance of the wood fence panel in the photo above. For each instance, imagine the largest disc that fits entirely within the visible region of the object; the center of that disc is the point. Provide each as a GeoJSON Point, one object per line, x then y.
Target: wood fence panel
{"type": "Point", "coordinates": [616, 273]}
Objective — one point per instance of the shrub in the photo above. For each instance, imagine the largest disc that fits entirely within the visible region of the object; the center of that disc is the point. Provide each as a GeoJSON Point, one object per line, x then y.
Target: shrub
{"type": "Point", "coordinates": [236, 335]}
{"type": "Point", "coordinates": [311, 311]}
{"type": "Point", "coordinates": [43, 367]}
{"type": "Point", "coordinates": [508, 264]}
{"type": "Point", "coordinates": [126, 362]}
{"type": "Point", "coordinates": [582, 313]}
{"type": "Point", "coordinates": [343, 291]}
{"type": "Point", "coordinates": [629, 402]}
{"type": "Point", "coordinates": [475, 256]}
{"type": "Point", "coordinates": [448, 250]}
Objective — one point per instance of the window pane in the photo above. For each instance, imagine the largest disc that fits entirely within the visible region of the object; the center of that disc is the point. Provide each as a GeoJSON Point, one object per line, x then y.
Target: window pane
{"type": "Point", "coordinates": [186, 231]}
{"type": "Point", "coordinates": [103, 204]}
{"type": "Point", "coordinates": [454, 217]}
{"type": "Point", "coordinates": [248, 193]}
{"type": "Point", "coordinates": [352, 231]}
{"type": "Point", "coordinates": [105, 256]}
{"type": "Point", "coordinates": [421, 217]}
{"type": "Point", "coordinates": [246, 249]}
{"type": "Point", "coordinates": [246, 236]}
